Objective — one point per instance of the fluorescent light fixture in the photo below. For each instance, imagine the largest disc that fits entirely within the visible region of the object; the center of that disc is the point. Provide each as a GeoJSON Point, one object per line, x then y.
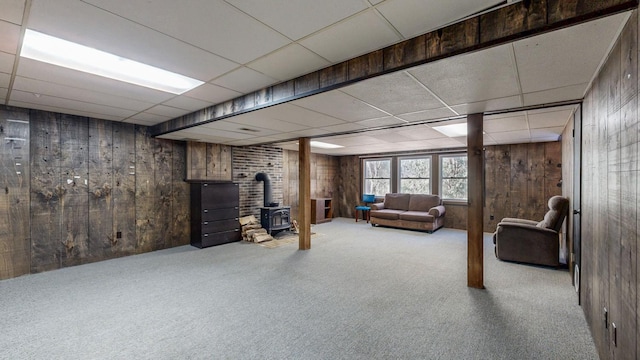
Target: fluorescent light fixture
{"type": "Point", "coordinates": [454, 130]}
{"type": "Point", "coordinates": [323, 145]}
{"type": "Point", "coordinates": [52, 50]}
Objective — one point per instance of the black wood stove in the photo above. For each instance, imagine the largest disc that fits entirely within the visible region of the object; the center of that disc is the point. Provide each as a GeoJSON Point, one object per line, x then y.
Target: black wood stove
{"type": "Point", "coordinates": [273, 218]}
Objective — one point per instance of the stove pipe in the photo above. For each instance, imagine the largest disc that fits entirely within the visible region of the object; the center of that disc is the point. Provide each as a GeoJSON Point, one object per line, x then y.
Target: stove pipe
{"type": "Point", "coordinates": [267, 188]}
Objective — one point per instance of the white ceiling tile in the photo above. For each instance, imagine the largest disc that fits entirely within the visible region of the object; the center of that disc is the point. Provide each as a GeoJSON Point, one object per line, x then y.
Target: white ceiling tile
{"type": "Point", "coordinates": [445, 142]}
{"type": "Point", "coordinates": [297, 19]}
{"type": "Point", "coordinates": [251, 39]}
{"type": "Point", "coordinates": [383, 121]}
{"type": "Point", "coordinates": [504, 115]}
{"type": "Point", "coordinates": [55, 74]}
{"type": "Point", "coordinates": [415, 17]}
{"type": "Point", "coordinates": [259, 119]}
{"type": "Point", "coordinates": [357, 35]}
{"type": "Point", "coordinates": [547, 119]}
{"type": "Point", "coordinates": [12, 11]}
{"type": "Point", "coordinates": [244, 80]}
{"type": "Point", "coordinates": [62, 103]}
{"type": "Point", "coordinates": [391, 136]}
{"type": "Point", "coordinates": [299, 115]}
{"type": "Point", "coordinates": [568, 56]}
{"type": "Point", "coordinates": [471, 77]}
{"type": "Point", "coordinates": [70, 111]}
{"type": "Point", "coordinates": [489, 105]}
{"type": "Point", "coordinates": [212, 93]}
{"type": "Point", "coordinates": [505, 124]}
{"type": "Point", "coordinates": [309, 133]}
{"type": "Point", "coordinates": [288, 63]}
{"type": "Point", "coordinates": [511, 135]}
{"type": "Point", "coordinates": [88, 23]}
{"type": "Point", "coordinates": [419, 132]}
{"type": "Point", "coordinates": [3, 93]}
{"type": "Point", "coordinates": [433, 114]}
{"type": "Point", "coordinates": [216, 130]}
{"type": "Point", "coordinates": [552, 133]}
{"type": "Point", "coordinates": [248, 130]}
{"type": "Point", "coordinates": [147, 118]}
{"type": "Point", "coordinates": [353, 140]}
{"type": "Point", "coordinates": [187, 103]}
{"type": "Point", "coordinates": [573, 92]}
{"type": "Point", "coordinates": [396, 93]}
{"type": "Point", "coordinates": [6, 62]}
{"type": "Point", "coordinates": [167, 111]}
{"type": "Point", "coordinates": [5, 79]}
{"type": "Point", "coordinates": [84, 95]}
{"type": "Point", "coordinates": [344, 127]}
{"type": "Point", "coordinates": [9, 37]}
{"type": "Point", "coordinates": [340, 105]}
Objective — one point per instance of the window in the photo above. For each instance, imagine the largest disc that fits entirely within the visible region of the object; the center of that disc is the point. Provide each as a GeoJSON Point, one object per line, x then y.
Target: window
{"type": "Point", "coordinates": [377, 176]}
{"type": "Point", "coordinates": [415, 175]}
{"type": "Point", "coordinates": [453, 177]}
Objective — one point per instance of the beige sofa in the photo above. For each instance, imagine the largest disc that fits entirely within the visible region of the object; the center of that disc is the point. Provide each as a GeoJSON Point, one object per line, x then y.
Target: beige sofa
{"type": "Point", "coordinates": [409, 211]}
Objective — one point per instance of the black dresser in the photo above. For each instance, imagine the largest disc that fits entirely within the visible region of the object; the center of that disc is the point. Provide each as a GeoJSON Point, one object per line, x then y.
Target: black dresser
{"type": "Point", "coordinates": [214, 213]}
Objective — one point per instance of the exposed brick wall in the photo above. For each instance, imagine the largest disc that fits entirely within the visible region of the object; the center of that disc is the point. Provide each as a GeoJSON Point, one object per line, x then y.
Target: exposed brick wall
{"type": "Point", "coordinates": [247, 162]}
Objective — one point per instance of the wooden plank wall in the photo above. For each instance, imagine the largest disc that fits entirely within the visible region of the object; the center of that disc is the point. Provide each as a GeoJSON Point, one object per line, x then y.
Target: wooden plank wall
{"type": "Point", "coordinates": [324, 178]}
{"type": "Point", "coordinates": [15, 258]}
{"type": "Point", "coordinates": [79, 190]}
{"type": "Point", "coordinates": [609, 233]}
{"type": "Point", "coordinates": [206, 161]}
{"type": "Point", "coordinates": [519, 179]}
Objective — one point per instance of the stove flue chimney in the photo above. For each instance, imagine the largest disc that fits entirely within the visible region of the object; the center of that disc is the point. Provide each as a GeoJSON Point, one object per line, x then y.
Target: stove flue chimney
{"type": "Point", "coordinates": [267, 189]}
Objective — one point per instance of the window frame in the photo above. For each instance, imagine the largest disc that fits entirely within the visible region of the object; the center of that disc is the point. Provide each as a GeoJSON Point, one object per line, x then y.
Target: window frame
{"type": "Point", "coordinates": [442, 177]}
{"type": "Point", "coordinates": [390, 178]}
{"type": "Point", "coordinates": [414, 157]}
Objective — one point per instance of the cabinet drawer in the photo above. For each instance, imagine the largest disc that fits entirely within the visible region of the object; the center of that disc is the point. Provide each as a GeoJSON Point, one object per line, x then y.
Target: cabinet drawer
{"type": "Point", "coordinates": [220, 214]}
{"type": "Point", "coordinates": [220, 225]}
{"type": "Point", "coordinates": [220, 196]}
{"type": "Point", "coordinates": [211, 239]}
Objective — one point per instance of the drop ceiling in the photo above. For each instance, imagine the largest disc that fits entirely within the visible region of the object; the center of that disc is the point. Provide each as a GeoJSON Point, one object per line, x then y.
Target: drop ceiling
{"type": "Point", "coordinates": [238, 46]}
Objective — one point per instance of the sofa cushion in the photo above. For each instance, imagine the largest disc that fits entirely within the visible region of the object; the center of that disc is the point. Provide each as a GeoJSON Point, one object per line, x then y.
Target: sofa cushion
{"type": "Point", "coordinates": [388, 214]}
{"type": "Point", "coordinates": [420, 216]}
{"type": "Point", "coordinates": [422, 202]}
{"type": "Point", "coordinates": [397, 201]}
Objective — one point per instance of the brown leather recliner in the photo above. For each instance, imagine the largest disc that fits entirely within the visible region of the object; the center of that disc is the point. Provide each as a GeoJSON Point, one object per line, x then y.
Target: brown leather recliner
{"type": "Point", "coordinates": [529, 241]}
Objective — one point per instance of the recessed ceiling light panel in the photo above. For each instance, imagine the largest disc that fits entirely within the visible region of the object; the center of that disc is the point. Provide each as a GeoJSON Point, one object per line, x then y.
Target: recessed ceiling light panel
{"type": "Point", "coordinates": [52, 50]}
{"type": "Point", "coordinates": [453, 130]}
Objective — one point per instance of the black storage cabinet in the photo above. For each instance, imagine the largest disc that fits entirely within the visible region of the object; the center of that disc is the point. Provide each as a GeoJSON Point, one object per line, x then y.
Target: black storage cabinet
{"type": "Point", "coordinates": [214, 213]}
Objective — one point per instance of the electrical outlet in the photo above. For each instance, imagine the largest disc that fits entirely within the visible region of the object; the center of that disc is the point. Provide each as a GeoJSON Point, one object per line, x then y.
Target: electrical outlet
{"type": "Point", "coordinates": [491, 217]}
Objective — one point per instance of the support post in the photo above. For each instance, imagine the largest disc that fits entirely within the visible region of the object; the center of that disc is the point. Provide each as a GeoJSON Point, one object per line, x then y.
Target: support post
{"type": "Point", "coordinates": [304, 193]}
{"type": "Point", "coordinates": [475, 181]}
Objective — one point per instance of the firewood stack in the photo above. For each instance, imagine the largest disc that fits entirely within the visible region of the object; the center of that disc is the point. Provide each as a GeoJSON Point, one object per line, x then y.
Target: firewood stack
{"type": "Point", "coordinates": [252, 231]}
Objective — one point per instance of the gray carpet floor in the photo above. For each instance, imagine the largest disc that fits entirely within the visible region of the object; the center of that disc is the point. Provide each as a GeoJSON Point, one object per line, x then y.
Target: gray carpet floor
{"type": "Point", "coordinates": [359, 293]}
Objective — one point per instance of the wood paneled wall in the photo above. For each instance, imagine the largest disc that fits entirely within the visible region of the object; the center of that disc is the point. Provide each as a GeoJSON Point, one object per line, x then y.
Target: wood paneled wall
{"type": "Point", "coordinates": [324, 178]}
{"type": "Point", "coordinates": [206, 161]}
{"type": "Point", "coordinates": [79, 190]}
{"type": "Point", "coordinates": [610, 156]}
{"type": "Point", "coordinates": [519, 179]}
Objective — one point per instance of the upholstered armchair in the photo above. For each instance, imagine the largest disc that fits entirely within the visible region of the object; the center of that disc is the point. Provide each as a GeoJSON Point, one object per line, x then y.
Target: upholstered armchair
{"type": "Point", "coordinates": [529, 241]}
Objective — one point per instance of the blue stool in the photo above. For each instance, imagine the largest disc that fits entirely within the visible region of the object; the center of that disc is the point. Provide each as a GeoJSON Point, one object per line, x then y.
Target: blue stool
{"type": "Point", "coordinates": [366, 210]}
